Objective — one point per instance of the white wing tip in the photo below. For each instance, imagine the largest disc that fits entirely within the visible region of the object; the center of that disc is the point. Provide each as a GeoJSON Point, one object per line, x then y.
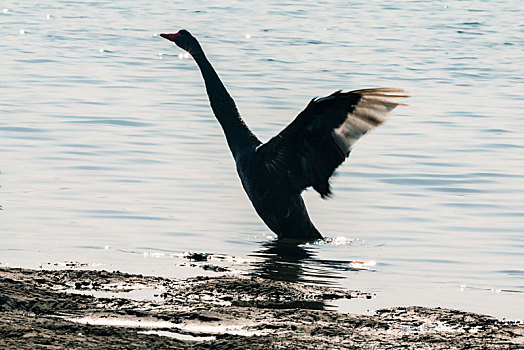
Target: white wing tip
{"type": "Point", "coordinates": [383, 92]}
{"type": "Point", "coordinates": [370, 112]}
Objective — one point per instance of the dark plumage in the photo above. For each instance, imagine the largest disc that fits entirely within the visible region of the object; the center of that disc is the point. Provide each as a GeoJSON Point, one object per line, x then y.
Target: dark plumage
{"type": "Point", "coordinates": [304, 154]}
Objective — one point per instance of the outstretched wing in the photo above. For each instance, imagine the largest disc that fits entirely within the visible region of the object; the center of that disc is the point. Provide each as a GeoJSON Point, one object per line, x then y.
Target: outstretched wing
{"type": "Point", "coordinates": [307, 151]}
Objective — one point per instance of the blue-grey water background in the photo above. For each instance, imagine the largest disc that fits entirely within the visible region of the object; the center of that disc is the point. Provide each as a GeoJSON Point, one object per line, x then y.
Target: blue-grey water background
{"type": "Point", "coordinates": [110, 155]}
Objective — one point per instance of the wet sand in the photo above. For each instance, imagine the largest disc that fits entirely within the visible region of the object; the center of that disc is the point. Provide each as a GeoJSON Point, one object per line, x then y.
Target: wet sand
{"type": "Point", "coordinates": [81, 309]}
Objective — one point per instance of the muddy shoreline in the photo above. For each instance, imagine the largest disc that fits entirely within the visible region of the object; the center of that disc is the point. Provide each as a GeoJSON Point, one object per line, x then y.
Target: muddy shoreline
{"type": "Point", "coordinates": [84, 309]}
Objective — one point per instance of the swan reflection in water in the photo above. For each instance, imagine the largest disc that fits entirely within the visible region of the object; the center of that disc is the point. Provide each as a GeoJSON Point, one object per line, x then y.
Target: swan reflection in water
{"type": "Point", "coordinates": [294, 262]}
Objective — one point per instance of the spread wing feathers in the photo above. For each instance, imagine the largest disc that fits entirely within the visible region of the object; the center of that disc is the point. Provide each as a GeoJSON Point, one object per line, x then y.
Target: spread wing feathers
{"type": "Point", "coordinates": [307, 151]}
{"type": "Point", "coordinates": [370, 112]}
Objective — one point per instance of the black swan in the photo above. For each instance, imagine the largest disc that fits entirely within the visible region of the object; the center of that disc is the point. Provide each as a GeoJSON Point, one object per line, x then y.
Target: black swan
{"type": "Point", "coordinates": [304, 154]}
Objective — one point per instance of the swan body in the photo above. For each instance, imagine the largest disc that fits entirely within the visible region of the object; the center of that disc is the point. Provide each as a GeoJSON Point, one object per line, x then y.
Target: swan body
{"type": "Point", "coordinates": [304, 154]}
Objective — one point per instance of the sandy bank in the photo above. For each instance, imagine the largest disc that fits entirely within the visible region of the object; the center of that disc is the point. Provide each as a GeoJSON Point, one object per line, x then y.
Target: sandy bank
{"type": "Point", "coordinates": [75, 309]}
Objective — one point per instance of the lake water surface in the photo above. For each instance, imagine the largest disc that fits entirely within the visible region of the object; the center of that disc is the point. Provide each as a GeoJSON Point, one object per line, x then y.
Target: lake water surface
{"type": "Point", "coordinates": [110, 155]}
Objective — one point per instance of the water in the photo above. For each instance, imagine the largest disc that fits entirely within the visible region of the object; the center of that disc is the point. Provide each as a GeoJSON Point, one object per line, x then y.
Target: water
{"type": "Point", "coordinates": [109, 153]}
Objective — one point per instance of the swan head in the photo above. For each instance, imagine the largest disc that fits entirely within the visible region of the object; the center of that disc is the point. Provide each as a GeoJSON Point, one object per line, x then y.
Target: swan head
{"type": "Point", "coordinates": [184, 40]}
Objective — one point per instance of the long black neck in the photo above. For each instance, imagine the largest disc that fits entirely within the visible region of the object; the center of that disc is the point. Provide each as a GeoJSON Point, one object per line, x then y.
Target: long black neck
{"type": "Point", "coordinates": [238, 135]}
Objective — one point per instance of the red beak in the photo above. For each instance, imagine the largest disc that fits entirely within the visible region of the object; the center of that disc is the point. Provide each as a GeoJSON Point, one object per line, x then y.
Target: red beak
{"type": "Point", "coordinates": [170, 37]}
